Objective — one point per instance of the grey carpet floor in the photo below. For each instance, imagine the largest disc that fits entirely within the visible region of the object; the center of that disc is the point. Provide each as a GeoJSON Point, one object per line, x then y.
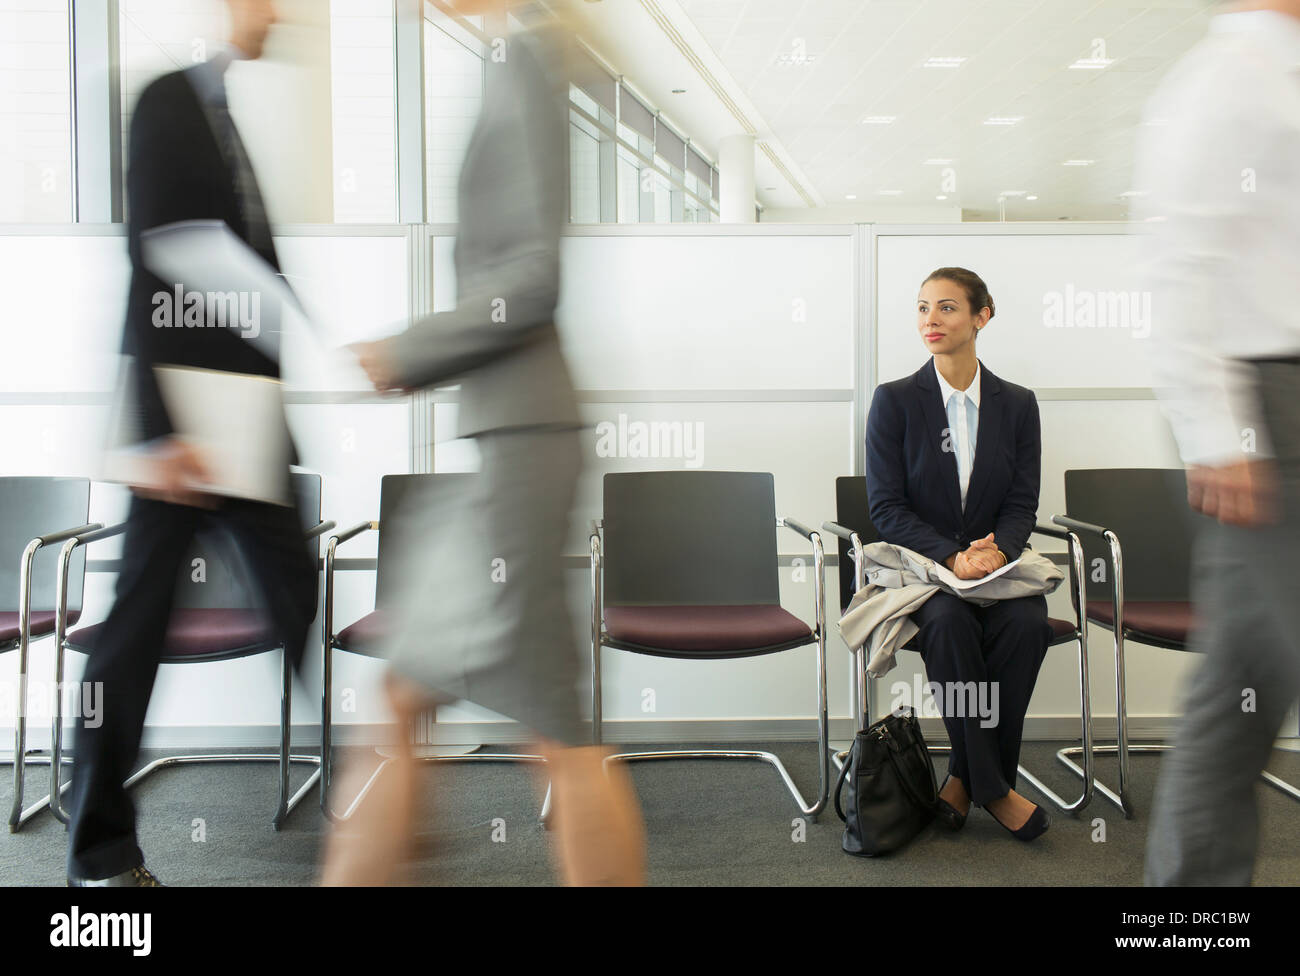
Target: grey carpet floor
{"type": "Point", "coordinates": [708, 823]}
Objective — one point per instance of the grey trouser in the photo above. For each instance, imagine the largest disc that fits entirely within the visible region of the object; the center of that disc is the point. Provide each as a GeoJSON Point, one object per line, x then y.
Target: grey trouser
{"type": "Point", "coordinates": [1204, 823]}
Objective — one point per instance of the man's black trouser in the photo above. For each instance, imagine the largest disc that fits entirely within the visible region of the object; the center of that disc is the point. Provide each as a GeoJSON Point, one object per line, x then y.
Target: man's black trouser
{"type": "Point", "coordinates": [101, 834]}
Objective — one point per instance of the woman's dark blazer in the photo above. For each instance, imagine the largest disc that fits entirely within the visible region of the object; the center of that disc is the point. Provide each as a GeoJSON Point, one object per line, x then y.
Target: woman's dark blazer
{"type": "Point", "coordinates": [912, 486]}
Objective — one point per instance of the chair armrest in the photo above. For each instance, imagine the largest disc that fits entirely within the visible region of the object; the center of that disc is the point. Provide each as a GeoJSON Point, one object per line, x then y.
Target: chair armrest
{"type": "Point", "coordinates": [337, 540]}
{"type": "Point", "coordinates": [1041, 529]}
{"type": "Point", "coordinates": [819, 570]}
{"type": "Point", "coordinates": [1080, 526]}
{"type": "Point", "coordinates": [49, 540]}
{"type": "Point", "coordinates": [799, 527]}
{"type": "Point", "coordinates": [99, 532]}
{"type": "Point", "coordinates": [834, 528]}
{"type": "Point", "coordinates": [320, 528]}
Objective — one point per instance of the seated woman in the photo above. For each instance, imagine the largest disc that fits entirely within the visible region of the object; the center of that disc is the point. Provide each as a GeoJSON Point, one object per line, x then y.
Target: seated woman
{"type": "Point", "coordinates": [953, 455]}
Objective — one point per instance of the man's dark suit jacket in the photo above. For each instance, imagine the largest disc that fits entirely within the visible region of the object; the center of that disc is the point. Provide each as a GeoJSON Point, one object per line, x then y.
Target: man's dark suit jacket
{"type": "Point", "coordinates": [912, 485]}
{"type": "Point", "coordinates": [177, 172]}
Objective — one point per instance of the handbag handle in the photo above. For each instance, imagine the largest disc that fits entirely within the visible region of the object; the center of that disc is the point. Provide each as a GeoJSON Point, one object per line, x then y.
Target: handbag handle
{"type": "Point", "coordinates": [839, 782]}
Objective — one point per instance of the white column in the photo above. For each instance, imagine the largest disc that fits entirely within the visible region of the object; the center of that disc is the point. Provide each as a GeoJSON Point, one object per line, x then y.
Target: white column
{"type": "Point", "coordinates": [736, 173]}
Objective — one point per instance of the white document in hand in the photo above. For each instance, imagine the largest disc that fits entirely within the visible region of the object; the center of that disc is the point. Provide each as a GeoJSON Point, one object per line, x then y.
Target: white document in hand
{"type": "Point", "coordinates": [236, 423]}
{"type": "Point", "coordinates": [207, 257]}
{"type": "Point", "coordinates": [948, 578]}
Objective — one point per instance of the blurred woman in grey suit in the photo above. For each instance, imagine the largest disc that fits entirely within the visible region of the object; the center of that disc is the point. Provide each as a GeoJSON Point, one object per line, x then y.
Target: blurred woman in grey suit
{"type": "Point", "coordinates": [484, 617]}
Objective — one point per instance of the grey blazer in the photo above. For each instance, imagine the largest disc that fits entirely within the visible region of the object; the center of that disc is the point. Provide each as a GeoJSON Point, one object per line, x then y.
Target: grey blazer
{"type": "Point", "coordinates": [501, 337]}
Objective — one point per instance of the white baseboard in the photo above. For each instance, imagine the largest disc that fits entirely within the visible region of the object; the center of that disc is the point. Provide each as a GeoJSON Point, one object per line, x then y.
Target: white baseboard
{"type": "Point", "coordinates": [1142, 728]}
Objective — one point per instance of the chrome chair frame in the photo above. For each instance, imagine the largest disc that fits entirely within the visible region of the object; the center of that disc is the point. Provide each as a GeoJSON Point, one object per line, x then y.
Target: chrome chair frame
{"type": "Point", "coordinates": [21, 758]}
{"type": "Point", "coordinates": [599, 639]}
{"type": "Point", "coordinates": [1122, 748]}
{"type": "Point", "coordinates": [860, 692]}
{"type": "Point", "coordinates": [328, 645]}
{"type": "Point", "coordinates": [285, 804]}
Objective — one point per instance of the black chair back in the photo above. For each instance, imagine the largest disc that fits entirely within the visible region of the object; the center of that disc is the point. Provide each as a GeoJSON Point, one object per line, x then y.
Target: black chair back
{"type": "Point", "coordinates": [32, 507]}
{"type": "Point", "coordinates": [852, 512]}
{"type": "Point", "coordinates": [214, 573]}
{"type": "Point", "coordinates": [1147, 510]}
{"type": "Point", "coordinates": [396, 493]}
{"type": "Point", "coordinates": [690, 538]}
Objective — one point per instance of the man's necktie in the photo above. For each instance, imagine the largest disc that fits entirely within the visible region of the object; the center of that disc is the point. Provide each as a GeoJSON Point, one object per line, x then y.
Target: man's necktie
{"type": "Point", "coordinates": [251, 207]}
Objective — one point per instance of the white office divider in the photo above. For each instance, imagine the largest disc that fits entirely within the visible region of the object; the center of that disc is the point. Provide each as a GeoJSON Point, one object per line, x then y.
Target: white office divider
{"type": "Point", "coordinates": [693, 347]}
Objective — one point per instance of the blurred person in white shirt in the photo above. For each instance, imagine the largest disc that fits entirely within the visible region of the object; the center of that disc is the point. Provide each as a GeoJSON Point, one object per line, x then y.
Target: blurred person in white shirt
{"type": "Point", "coordinates": [1219, 163]}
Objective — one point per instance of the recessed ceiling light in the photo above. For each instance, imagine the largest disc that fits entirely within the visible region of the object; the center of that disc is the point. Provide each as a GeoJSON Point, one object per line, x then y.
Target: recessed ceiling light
{"type": "Point", "coordinates": [1079, 162]}
{"type": "Point", "coordinates": [1134, 193]}
{"type": "Point", "coordinates": [879, 119]}
{"type": "Point", "coordinates": [1004, 120]}
{"type": "Point", "coordinates": [942, 196]}
{"type": "Point", "coordinates": [944, 62]}
{"type": "Point", "coordinates": [1092, 64]}
{"type": "Point", "coordinates": [850, 196]}
{"type": "Point", "coordinates": [1031, 197]}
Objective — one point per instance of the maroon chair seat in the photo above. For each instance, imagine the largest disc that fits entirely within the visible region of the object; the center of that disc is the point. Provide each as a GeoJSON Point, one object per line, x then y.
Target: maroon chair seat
{"type": "Point", "coordinates": [705, 631]}
{"type": "Point", "coordinates": [1062, 630]}
{"type": "Point", "coordinates": [41, 623]}
{"type": "Point", "coordinates": [1166, 620]}
{"type": "Point", "coordinates": [366, 636]}
{"type": "Point", "coordinates": [200, 634]}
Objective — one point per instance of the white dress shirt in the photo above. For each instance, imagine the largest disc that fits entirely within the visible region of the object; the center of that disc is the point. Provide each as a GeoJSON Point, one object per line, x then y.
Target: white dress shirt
{"type": "Point", "coordinates": [1219, 159]}
{"type": "Point", "coordinates": [963, 422]}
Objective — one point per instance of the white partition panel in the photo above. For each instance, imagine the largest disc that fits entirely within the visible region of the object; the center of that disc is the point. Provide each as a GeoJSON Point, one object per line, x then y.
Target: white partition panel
{"type": "Point", "coordinates": [65, 298]}
{"type": "Point", "coordinates": [696, 311]}
{"type": "Point", "coordinates": [1071, 309]}
{"type": "Point", "coordinates": [355, 288]}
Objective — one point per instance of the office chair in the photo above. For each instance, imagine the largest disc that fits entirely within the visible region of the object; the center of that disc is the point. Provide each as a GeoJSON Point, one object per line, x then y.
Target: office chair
{"type": "Point", "coordinates": [1140, 599]}
{"type": "Point", "coordinates": [38, 513]}
{"type": "Point", "coordinates": [366, 636]}
{"type": "Point", "coordinates": [854, 530]}
{"type": "Point", "coordinates": [684, 565]}
{"type": "Point", "coordinates": [218, 619]}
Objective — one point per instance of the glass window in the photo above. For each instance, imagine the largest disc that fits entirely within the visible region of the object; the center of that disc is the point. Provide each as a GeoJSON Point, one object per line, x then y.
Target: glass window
{"type": "Point", "coordinates": [35, 113]}
{"type": "Point", "coordinates": [363, 71]}
{"type": "Point", "coordinates": [453, 96]}
{"type": "Point", "coordinates": [584, 172]}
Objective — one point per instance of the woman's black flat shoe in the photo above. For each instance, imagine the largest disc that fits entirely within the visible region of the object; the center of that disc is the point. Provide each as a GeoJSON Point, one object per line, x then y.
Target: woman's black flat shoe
{"type": "Point", "coordinates": [1035, 826]}
{"type": "Point", "coordinates": [947, 814]}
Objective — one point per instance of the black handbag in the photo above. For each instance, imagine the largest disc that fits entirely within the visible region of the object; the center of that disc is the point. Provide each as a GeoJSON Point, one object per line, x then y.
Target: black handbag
{"type": "Point", "coordinates": [892, 792]}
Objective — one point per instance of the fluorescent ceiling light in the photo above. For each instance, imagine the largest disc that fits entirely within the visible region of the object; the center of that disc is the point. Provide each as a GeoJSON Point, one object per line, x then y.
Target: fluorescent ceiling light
{"type": "Point", "coordinates": [1079, 162]}
{"type": "Point", "coordinates": [1091, 64]}
{"type": "Point", "coordinates": [944, 62]}
{"type": "Point", "coordinates": [1004, 120]}
{"type": "Point", "coordinates": [879, 119]}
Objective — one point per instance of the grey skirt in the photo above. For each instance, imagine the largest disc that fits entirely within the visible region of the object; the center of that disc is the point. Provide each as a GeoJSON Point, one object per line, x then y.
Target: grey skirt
{"type": "Point", "coordinates": [481, 612]}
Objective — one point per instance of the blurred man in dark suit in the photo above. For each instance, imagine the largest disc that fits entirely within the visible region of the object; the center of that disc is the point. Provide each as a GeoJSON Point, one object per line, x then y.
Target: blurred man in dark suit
{"type": "Point", "coordinates": [187, 162]}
